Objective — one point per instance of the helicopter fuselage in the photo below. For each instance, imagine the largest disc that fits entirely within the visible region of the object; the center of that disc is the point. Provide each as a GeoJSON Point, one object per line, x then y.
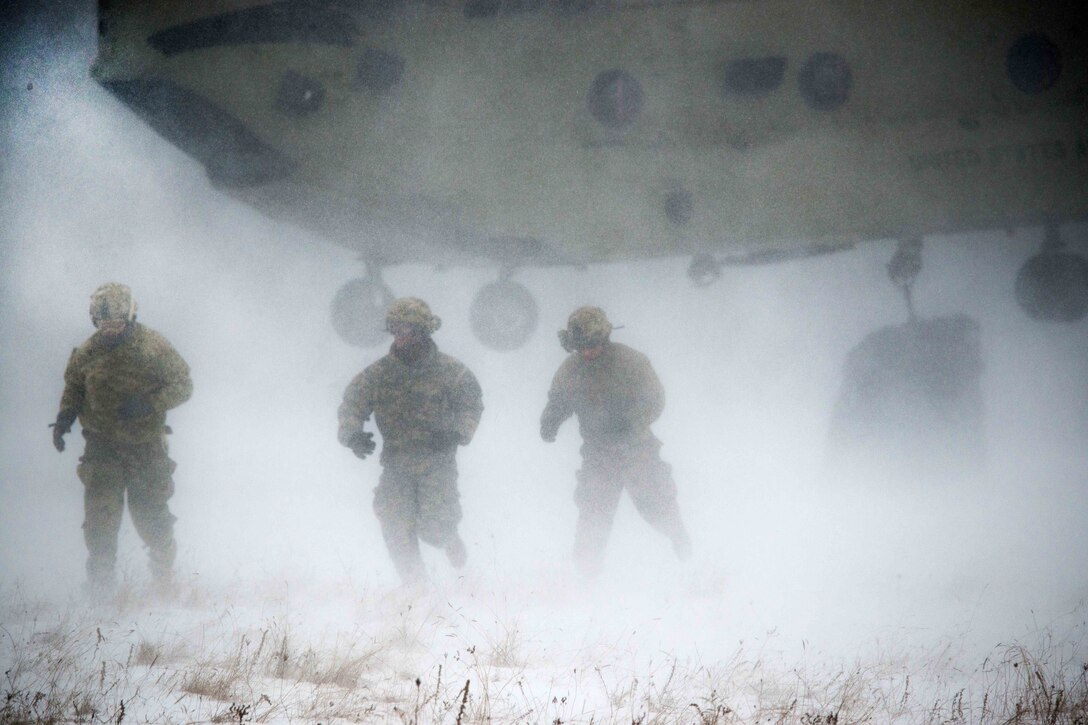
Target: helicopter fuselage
{"type": "Point", "coordinates": [523, 132]}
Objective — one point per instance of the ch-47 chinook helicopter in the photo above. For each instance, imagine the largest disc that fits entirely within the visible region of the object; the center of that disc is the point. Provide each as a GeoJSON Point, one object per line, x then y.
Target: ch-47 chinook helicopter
{"type": "Point", "coordinates": [567, 132]}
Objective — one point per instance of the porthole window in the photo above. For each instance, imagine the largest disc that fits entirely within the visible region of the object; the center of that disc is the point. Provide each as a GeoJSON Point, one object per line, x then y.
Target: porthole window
{"type": "Point", "coordinates": [679, 207]}
{"type": "Point", "coordinates": [825, 81]}
{"type": "Point", "coordinates": [1034, 63]}
{"type": "Point", "coordinates": [299, 95]}
{"type": "Point", "coordinates": [615, 98]}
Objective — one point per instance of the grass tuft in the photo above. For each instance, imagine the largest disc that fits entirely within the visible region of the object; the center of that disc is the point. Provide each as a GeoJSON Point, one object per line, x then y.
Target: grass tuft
{"type": "Point", "coordinates": [233, 663]}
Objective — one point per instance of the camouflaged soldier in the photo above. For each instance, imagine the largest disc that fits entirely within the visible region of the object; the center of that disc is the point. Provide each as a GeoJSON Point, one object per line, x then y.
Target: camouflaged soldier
{"type": "Point", "coordinates": [119, 384]}
{"type": "Point", "coordinates": [425, 404]}
{"type": "Point", "coordinates": [616, 395]}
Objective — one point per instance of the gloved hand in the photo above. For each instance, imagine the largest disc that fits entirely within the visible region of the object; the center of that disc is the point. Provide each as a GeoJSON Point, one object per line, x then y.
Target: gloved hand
{"type": "Point", "coordinates": [62, 427]}
{"type": "Point", "coordinates": [548, 432]}
{"type": "Point", "coordinates": [133, 407]}
{"type": "Point", "coordinates": [443, 439]}
{"type": "Point", "coordinates": [362, 444]}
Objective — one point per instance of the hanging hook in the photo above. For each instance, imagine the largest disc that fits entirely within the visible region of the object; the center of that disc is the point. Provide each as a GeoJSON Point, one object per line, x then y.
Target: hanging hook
{"type": "Point", "coordinates": [1052, 238]}
{"type": "Point", "coordinates": [904, 267]}
{"type": "Point", "coordinates": [506, 271]}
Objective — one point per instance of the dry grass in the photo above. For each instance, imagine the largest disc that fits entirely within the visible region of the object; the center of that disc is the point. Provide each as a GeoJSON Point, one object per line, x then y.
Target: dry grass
{"type": "Point", "coordinates": [47, 680]}
{"type": "Point", "coordinates": [426, 664]}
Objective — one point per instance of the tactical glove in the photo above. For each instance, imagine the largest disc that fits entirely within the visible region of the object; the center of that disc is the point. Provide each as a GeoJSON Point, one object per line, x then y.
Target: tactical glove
{"type": "Point", "coordinates": [62, 427]}
{"type": "Point", "coordinates": [134, 407]}
{"type": "Point", "coordinates": [362, 444]}
{"type": "Point", "coordinates": [443, 439]}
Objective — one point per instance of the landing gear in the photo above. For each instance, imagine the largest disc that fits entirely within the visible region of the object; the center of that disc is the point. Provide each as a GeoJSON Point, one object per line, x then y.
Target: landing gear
{"type": "Point", "coordinates": [1052, 286]}
{"type": "Point", "coordinates": [504, 314]}
{"type": "Point", "coordinates": [704, 270]}
{"type": "Point", "coordinates": [904, 267]}
{"type": "Point", "coordinates": [910, 407]}
{"type": "Point", "coordinates": [358, 310]}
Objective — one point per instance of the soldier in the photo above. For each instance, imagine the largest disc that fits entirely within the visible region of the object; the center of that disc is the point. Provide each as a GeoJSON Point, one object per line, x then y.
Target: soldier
{"type": "Point", "coordinates": [616, 395]}
{"type": "Point", "coordinates": [119, 384]}
{"type": "Point", "coordinates": [425, 404]}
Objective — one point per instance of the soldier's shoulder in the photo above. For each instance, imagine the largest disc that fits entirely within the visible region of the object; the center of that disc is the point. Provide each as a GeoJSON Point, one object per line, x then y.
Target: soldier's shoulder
{"type": "Point", "coordinates": [149, 339]}
{"type": "Point", "coordinates": [381, 365]}
{"type": "Point", "coordinates": [85, 350]}
{"type": "Point", "coordinates": [449, 362]}
{"type": "Point", "coordinates": [571, 364]}
{"type": "Point", "coordinates": [375, 371]}
{"type": "Point", "coordinates": [630, 357]}
{"type": "Point", "coordinates": [628, 352]}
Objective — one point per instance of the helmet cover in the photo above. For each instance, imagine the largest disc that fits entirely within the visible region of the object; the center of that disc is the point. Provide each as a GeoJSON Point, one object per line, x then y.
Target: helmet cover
{"type": "Point", "coordinates": [411, 311]}
{"type": "Point", "coordinates": [112, 301]}
{"type": "Point", "coordinates": [586, 327]}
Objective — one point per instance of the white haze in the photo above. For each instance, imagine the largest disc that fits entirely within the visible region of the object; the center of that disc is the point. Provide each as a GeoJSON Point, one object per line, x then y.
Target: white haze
{"type": "Point", "coordinates": [751, 365]}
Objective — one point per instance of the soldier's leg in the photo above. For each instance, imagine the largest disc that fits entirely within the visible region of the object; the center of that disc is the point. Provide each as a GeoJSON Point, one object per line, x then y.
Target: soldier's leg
{"type": "Point", "coordinates": [149, 490]}
{"type": "Point", "coordinates": [597, 495]}
{"type": "Point", "coordinates": [396, 505]}
{"type": "Point", "coordinates": [103, 504]}
{"type": "Point", "coordinates": [440, 508]}
{"type": "Point", "coordinates": [653, 491]}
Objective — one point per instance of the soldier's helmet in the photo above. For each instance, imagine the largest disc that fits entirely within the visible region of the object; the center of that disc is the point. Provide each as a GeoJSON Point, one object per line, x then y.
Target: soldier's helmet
{"type": "Point", "coordinates": [586, 327]}
{"type": "Point", "coordinates": [112, 301]}
{"type": "Point", "coordinates": [411, 311]}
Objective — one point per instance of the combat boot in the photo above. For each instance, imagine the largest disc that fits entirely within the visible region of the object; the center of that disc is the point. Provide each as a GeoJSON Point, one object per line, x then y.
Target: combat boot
{"type": "Point", "coordinates": [163, 587]}
{"type": "Point", "coordinates": [673, 527]}
{"type": "Point", "coordinates": [457, 553]}
{"type": "Point", "coordinates": [409, 566]}
{"type": "Point", "coordinates": [681, 544]}
{"type": "Point", "coordinates": [160, 563]}
{"type": "Point", "coordinates": [100, 587]}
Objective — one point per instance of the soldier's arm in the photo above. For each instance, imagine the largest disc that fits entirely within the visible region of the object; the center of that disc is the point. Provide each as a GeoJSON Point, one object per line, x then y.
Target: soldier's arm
{"type": "Point", "coordinates": [468, 406]}
{"type": "Point", "coordinates": [559, 406]}
{"type": "Point", "coordinates": [355, 409]}
{"type": "Point", "coordinates": [71, 400]}
{"type": "Point", "coordinates": [649, 401]}
{"type": "Point", "coordinates": [176, 383]}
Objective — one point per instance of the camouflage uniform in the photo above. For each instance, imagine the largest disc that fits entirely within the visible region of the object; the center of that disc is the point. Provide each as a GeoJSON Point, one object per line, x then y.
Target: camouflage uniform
{"type": "Point", "coordinates": [424, 408]}
{"type": "Point", "coordinates": [120, 390]}
{"type": "Point", "coordinates": [616, 396]}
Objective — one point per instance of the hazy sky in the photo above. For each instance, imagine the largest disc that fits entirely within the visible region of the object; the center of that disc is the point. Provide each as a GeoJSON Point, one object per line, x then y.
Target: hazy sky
{"type": "Point", "coordinates": [751, 365]}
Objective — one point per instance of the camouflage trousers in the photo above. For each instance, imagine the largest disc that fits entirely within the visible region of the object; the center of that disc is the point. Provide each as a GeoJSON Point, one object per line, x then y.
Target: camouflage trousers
{"type": "Point", "coordinates": [109, 471]}
{"type": "Point", "coordinates": [607, 470]}
{"type": "Point", "coordinates": [417, 499]}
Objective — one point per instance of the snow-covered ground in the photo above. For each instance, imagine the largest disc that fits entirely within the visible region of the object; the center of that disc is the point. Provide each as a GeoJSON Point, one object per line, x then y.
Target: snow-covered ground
{"type": "Point", "coordinates": [478, 648]}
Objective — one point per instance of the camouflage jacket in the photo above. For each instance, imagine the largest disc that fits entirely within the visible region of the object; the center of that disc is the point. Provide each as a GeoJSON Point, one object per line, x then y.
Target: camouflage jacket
{"type": "Point", "coordinates": [143, 365]}
{"type": "Point", "coordinates": [414, 405]}
{"type": "Point", "coordinates": [615, 396]}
